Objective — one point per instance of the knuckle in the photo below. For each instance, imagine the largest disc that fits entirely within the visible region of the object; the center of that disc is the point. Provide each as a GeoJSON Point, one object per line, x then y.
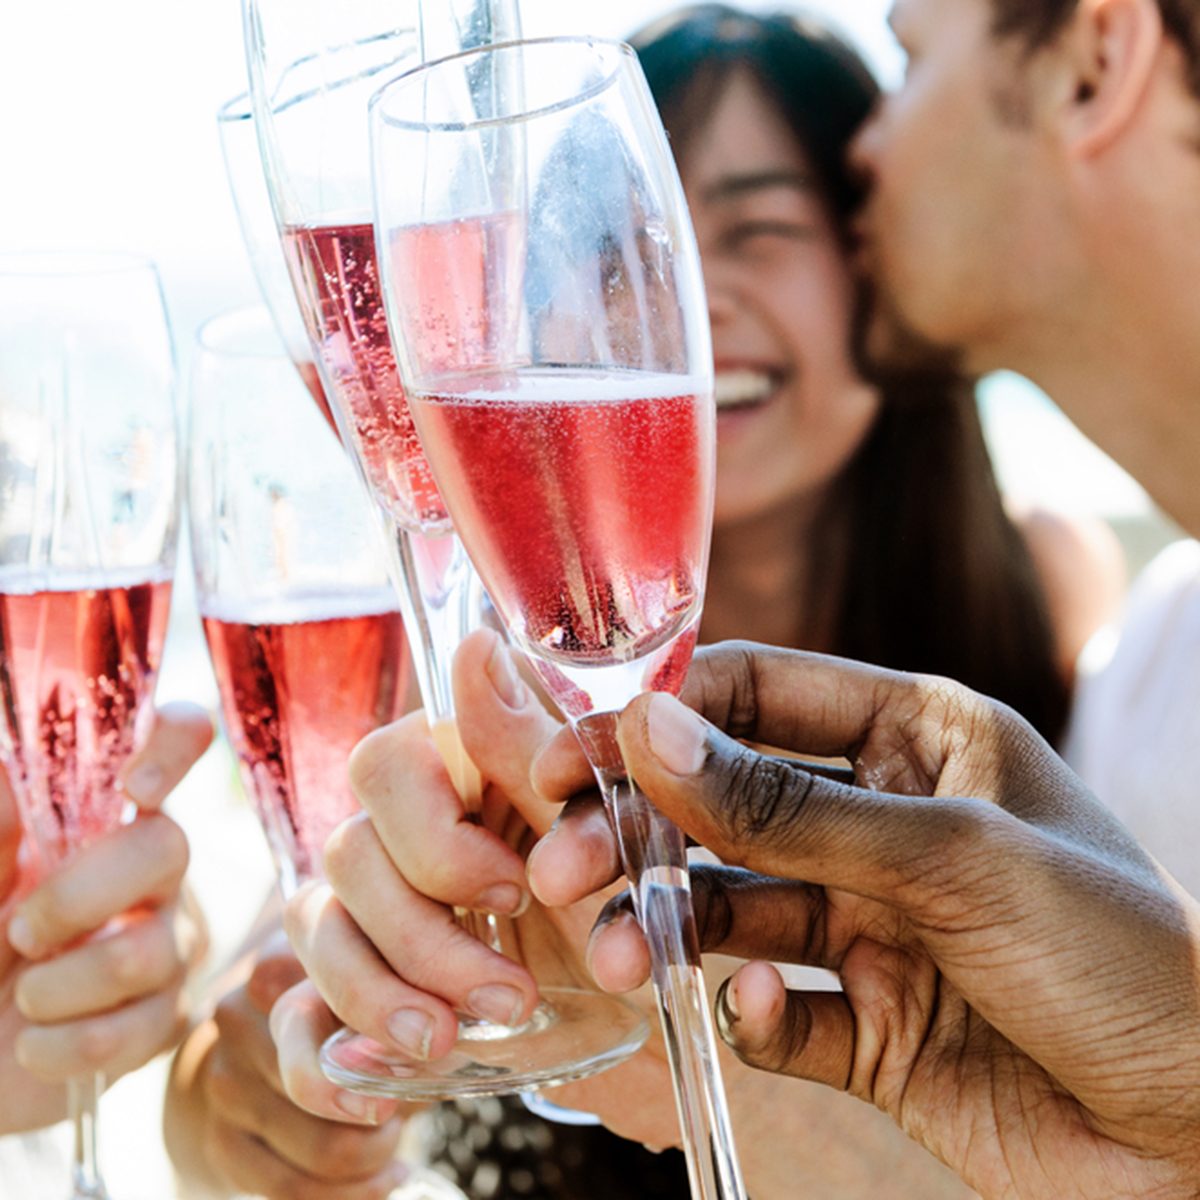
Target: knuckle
{"type": "Point", "coordinates": [763, 796]}
{"type": "Point", "coordinates": [369, 765]}
{"type": "Point", "coordinates": [346, 846]}
{"type": "Point", "coordinates": [97, 1042]}
{"type": "Point", "coordinates": [713, 906]}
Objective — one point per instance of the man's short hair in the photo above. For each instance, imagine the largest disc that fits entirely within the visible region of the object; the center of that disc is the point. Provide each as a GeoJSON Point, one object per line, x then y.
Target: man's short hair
{"type": "Point", "coordinates": [1036, 22]}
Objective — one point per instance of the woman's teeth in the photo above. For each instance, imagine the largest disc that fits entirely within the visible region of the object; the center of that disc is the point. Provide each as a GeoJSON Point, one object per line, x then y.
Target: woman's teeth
{"type": "Point", "coordinates": [735, 388]}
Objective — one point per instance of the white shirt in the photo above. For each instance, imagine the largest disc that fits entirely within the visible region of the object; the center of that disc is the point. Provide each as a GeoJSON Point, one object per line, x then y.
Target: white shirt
{"type": "Point", "coordinates": [1134, 736]}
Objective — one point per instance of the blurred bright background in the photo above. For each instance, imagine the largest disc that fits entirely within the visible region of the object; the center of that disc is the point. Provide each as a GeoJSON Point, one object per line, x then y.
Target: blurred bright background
{"type": "Point", "coordinates": [108, 140]}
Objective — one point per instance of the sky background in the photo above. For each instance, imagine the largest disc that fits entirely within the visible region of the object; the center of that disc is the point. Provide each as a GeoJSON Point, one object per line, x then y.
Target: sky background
{"type": "Point", "coordinates": [108, 140]}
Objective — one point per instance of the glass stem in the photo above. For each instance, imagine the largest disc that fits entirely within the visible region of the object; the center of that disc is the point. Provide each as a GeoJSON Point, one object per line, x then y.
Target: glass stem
{"type": "Point", "coordinates": [441, 601]}
{"type": "Point", "coordinates": [654, 857]}
{"type": "Point", "coordinates": [83, 1094]}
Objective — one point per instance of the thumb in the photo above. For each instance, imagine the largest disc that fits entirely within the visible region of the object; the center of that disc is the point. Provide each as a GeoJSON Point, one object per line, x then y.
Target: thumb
{"type": "Point", "coordinates": [776, 817]}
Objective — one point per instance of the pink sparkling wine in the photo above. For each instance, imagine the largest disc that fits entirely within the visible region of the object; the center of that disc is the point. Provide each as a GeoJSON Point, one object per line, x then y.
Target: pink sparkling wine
{"type": "Point", "coordinates": [584, 500]}
{"type": "Point", "coordinates": [316, 389]}
{"type": "Point", "coordinates": [77, 671]}
{"type": "Point", "coordinates": [344, 313]}
{"type": "Point", "coordinates": [299, 689]}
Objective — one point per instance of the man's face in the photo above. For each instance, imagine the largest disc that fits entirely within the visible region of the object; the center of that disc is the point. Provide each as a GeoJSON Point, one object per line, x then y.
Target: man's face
{"type": "Point", "coordinates": [950, 229]}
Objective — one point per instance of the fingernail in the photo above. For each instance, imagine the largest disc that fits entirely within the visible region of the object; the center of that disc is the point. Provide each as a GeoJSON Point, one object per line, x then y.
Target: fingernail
{"type": "Point", "coordinates": [21, 936]}
{"type": "Point", "coordinates": [144, 783]}
{"type": "Point", "coordinates": [361, 1108]}
{"type": "Point", "coordinates": [497, 1003]}
{"type": "Point", "coordinates": [727, 1012]}
{"type": "Point", "coordinates": [502, 671]}
{"type": "Point", "coordinates": [676, 734]}
{"type": "Point", "coordinates": [505, 900]}
{"type": "Point", "coordinates": [412, 1030]}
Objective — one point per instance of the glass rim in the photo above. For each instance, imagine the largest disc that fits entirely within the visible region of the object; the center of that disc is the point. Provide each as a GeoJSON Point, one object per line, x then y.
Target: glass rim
{"type": "Point", "coordinates": [61, 264]}
{"type": "Point", "coordinates": [407, 35]}
{"type": "Point", "coordinates": [253, 320]}
{"type": "Point", "coordinates": [237, 108]}
{"type": "Point", "coordinates": [377, 102]}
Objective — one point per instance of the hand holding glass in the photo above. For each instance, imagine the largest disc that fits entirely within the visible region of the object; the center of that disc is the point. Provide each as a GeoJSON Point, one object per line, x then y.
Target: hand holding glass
{"type": "Point", "coordinates": [544, 292]}
{"type": "Point", "coordinates": [88, 511]}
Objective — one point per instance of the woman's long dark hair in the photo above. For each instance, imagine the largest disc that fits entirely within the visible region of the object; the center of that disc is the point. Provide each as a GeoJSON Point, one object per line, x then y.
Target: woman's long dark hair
{"type": "Point", "coordinates": [938, 579]}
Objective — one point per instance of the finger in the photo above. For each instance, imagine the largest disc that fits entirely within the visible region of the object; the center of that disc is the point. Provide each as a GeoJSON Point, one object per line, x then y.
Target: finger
{"type": "Point", "coordinates": [180, 734]}
{"type": "Point", "coordinates": [300, 1023]}
{"type": "Point", "coordinates": [561, 769]}
{"type": "Point", "coordinates": [577, 857]}
{"type": "Point", "coordinates": [276, 968]}
{"type": "Point", "coordinates": [403, 786]}
{"type": "Point", "coordinates": [737, 912]}
{"type": "Point", "coordinates": [420, 939]}
{"type": "Point", "coordinates": [142, 863]}
{"type": "Point", "coordinates": [113, 1043]}
{"type": "Point", "coordinates": [773, 816]}
{"type": "Point", "coordinates": [251, 1167]}
{"type": "Point", "coordinates": [147, 954]}
{"type": "Point", "coordinates": [359, 985]}
{"type": "Point", "coordinates": [245, 1037]}
{"type": "Point", "coordinates": [809, 703]}
{"type": "Point", "coordinates": [329, 1150]}
{"type": "Point", "coordinates": [806, 1034]}
{"type": "Point", "coordinates": [503, 723]}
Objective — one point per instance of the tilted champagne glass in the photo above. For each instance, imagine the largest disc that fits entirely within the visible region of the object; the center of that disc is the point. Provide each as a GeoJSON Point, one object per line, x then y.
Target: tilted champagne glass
{"type": "Point", "coordinates": [560, 377]}
{"type": "Point", "coordinates": [88, 517]}
{"type": "Point", "coordinates": [313, 67]}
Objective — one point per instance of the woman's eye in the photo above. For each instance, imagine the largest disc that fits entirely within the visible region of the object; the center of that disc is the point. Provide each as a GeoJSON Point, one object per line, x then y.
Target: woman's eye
{"type": "Point", "coordinates": [751, 232]}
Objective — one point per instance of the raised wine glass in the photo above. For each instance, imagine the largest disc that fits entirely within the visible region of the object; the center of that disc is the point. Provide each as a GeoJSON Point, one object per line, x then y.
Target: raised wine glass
{"type": "Point", "coordinates": [88, 517]}
{"type": "Point", "coordinates": [299, 613]}
{"type": "Point", "coordinates": [301, 620]}
{"type": "Point", "coordinates": [561, 384]}
{"type": "Point", "coordinates": [313, 67]}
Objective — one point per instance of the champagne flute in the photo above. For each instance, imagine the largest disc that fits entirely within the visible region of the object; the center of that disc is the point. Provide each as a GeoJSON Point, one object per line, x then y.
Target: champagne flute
{"type": "Point", "coordinates": [88, 519]}
{"type": "Point", "coordinates": [292, 583]}
{"type": "Point", "coordinates": [252, 203]}
{"type": "Point", "coordinates": [562, 388]}
{"type": "Point", "coordinates": [295, 595]}
{"type": "Point", "coordinates": [313, 67]}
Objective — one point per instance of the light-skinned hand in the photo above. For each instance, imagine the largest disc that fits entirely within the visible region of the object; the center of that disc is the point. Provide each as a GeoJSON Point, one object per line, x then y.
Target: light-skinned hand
{"type": "Point", "coordinates": [232, 1130]}
{"type": "Point", "coordinates": [95, 954]}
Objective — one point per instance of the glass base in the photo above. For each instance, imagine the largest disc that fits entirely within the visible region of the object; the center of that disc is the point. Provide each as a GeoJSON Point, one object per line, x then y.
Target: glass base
{"type": "Point", "coordinates": [574, 1034]}
{"type": "Point", "coordinates": [537, 1104]}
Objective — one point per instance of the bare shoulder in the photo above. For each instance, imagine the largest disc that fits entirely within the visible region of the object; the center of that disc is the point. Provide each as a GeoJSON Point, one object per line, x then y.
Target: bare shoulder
{"type": "Point", "coordinates": [1082, 569]}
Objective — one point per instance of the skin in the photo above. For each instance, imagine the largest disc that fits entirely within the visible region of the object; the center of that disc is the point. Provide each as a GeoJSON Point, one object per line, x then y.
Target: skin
{"type": "Point", "coordinates": [378, 941]}
{"type": "Point", "coordinates": [96, 955]}
{"type": "Point", "coordinates": [1033, 212]}
{"type": "Point", "coordinates": [230, 1128]}
{"type": "Point", "coordinates": [367, 928]}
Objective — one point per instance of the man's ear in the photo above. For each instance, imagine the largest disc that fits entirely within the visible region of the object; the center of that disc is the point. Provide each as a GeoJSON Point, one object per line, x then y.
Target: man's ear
{"type": "Point", "coordinates": [1111, 49]}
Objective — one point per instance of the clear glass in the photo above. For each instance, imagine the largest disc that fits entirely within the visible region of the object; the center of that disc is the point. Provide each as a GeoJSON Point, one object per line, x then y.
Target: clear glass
{"type": "Point", "coordinates": [292, 582]}
{"type": "Point", "coordinates": [88, 520]}
{"type": "Point", "coordinates": [313, 67]}
{"type": "Point", "coordinates": [544, 292]}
